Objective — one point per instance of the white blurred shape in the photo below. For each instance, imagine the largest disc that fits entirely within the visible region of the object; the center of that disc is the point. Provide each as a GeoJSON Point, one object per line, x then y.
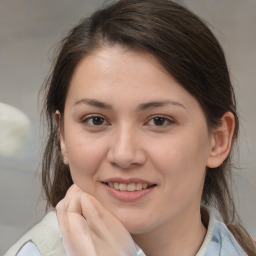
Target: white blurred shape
{"type": "Point", "coordinates": [29, 249]}
{"type": "Point", "coordinates": [14, 128]}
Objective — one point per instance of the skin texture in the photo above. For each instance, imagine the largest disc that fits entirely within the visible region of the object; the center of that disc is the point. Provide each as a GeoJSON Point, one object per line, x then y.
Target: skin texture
{"type": "Point", "coordinates": [126, 141]}
{"type": "Point", "coordinates": [84, 235]}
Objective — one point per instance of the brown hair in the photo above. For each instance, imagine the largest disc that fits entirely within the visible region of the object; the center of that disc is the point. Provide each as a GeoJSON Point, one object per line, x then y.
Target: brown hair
{"type": "Point", "coordinates": [186, 48]}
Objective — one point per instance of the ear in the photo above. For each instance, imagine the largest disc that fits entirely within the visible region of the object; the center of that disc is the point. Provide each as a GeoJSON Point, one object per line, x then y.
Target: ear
{"type": "Point", "coordinates": [57, 117]}
{"type": "Point", "coordinates": [221, 140]}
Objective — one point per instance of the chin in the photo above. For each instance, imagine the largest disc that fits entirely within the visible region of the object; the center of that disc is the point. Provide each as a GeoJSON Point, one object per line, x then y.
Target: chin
{"type": "Point", "coordinates": [135, 228]}
{"type": "Point", "coordinates": [135, 223]}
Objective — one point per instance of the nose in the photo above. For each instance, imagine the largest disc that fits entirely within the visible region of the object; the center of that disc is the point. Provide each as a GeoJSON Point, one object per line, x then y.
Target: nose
{"type": "Point", "coordinates": [126, 149]}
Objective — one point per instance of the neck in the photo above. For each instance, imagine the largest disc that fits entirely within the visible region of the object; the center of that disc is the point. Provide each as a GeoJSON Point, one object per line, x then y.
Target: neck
{"type": "Point", "coordinates": [182, 236]}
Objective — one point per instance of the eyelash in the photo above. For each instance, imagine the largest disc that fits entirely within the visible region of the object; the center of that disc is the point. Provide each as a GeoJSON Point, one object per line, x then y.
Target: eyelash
{"type": "Point", "coordinates": [165, 121]}
{"type": "Point", "coordinates": [92, 118]}
{"type": "Point", "coordinates": [162, 118]}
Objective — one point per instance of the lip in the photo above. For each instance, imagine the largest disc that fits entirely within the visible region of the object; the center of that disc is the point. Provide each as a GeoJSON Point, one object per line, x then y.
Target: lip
{"type": "Point", "coordinates": [128, 196]}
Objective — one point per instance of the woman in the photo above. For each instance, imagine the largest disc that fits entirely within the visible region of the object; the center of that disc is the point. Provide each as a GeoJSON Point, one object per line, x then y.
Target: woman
{"type": "Point", "coordinates": [142, 120]}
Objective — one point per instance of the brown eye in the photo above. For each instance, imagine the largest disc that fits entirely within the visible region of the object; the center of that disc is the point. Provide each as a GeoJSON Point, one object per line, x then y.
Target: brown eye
{"type": "Point", "coordinates": [159, 121]}
{"type": "Point", "coordinates": [94, 121]}
{"type": "Point", "coordinates": [97, 120]}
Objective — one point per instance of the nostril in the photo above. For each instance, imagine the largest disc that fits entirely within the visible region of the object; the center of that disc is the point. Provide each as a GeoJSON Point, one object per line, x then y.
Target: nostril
{"type": "Point", "coordinates": [125, 157]}
{"type": "Point", "coordinates": [125, 166]}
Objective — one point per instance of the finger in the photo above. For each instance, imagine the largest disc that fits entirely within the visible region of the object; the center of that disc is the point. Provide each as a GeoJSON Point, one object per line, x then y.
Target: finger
{"type": "Point", "coordinates": [102, 225]}
{"type": "Point", "coordinates": [101, 221]}
{"type": "Point", "coordinates": [106, 227]}
{"type": "Point", "coordinates": [98, 217]}
{"type": "Point", "coordinates": [86, 204]}
{"type": "Point", "coordinates": [70, 220]}
{"type": "Point", "coordinates": [75, 231]}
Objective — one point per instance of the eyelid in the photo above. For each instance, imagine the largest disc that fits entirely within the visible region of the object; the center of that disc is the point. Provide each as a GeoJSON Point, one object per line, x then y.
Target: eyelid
{"type": "Point", "coordinates": [167, 118]}
{"type": "Point", "coordinates": [85, 119]}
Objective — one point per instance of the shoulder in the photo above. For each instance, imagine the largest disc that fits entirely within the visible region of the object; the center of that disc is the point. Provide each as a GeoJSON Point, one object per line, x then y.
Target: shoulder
{"type": "Point", "coordinates": [46, 236]}
{"type": "Point", "coordinates": [222, 238]}
{"type": "Point", "coordinates": [219, 240]}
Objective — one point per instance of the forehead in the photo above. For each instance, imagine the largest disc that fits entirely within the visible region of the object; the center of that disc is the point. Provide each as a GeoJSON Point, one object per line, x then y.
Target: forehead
{"type": "Point", "coordinates": [116, 72]}
{"type": "Point", "coordinates": [118, 61]}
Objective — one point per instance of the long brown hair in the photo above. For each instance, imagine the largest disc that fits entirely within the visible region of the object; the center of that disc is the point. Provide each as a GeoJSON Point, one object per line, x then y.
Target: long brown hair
{"type": "Point", "coordinates": [186, 48]}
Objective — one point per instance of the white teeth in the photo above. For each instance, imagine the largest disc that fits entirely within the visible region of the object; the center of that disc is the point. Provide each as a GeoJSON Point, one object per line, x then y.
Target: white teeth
{"type": "Point", "coordinates": [131, 187]}
{"type": "Point", "coordinates": [122, 187]}
{"type": "Point", "coordinates": [144, 186]}
{"type": "Point", "coordinates": [116, 186]}
{"type": "Point", "coordinates": [139, 186]}
{"type": "Point", "coordinates": [127, 187]}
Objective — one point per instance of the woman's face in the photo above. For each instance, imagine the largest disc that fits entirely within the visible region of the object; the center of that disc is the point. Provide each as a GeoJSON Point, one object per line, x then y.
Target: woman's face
{"type": "Point", "coordinates": [135, 139]}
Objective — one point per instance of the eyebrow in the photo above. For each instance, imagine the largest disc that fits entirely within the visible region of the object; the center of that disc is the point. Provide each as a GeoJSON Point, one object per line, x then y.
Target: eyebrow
{"type": "Point", "coordinates": [157, 104]}
{"type": "Point", "coordinates": [141, 107]}
{"type": "Point", "coordinates": [93, 103]}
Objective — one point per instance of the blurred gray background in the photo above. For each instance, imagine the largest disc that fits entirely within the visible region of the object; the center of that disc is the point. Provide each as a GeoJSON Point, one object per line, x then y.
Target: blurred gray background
{"type": "Point", "coordinates": [29, 31]}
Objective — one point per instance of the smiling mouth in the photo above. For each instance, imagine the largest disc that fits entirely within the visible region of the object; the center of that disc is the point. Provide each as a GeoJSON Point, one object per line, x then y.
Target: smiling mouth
{"type": "Point", "coordinates": [131, 187]}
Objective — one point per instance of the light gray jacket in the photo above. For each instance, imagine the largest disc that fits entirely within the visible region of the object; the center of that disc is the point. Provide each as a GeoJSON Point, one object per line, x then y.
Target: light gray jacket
{"type": "Point", "coordinates": [44, 239]}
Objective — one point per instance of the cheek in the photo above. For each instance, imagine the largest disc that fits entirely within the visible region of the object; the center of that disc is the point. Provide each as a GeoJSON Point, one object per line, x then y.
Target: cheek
{"type": "Point", "coordinates": [85, 154]}
{"type": "Point", "coordinates": [181, 161]}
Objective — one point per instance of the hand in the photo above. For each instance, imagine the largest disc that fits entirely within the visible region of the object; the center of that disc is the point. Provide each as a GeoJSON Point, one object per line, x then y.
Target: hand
{"type": "Point", "coordinates": [89, 229]}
